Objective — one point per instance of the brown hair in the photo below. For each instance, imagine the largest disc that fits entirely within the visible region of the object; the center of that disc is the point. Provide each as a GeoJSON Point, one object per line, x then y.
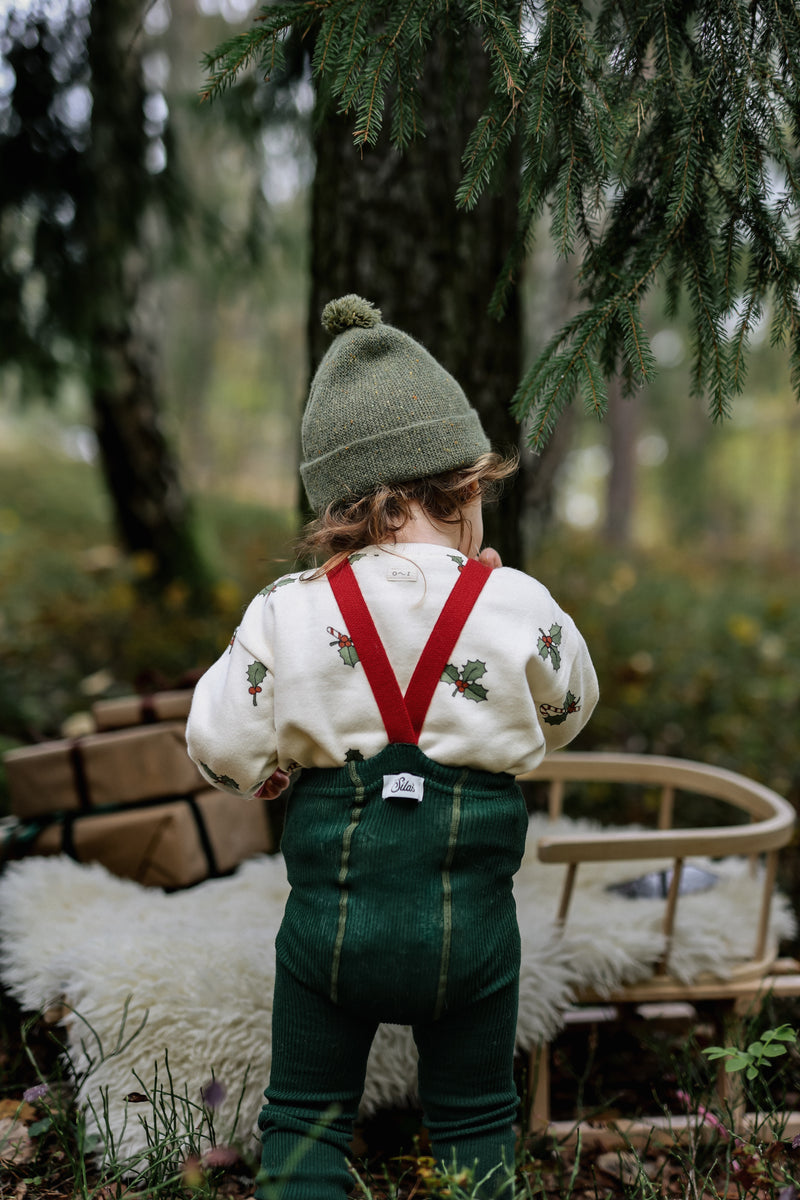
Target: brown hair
{"type": "Point", "coordinates": [350, 524]}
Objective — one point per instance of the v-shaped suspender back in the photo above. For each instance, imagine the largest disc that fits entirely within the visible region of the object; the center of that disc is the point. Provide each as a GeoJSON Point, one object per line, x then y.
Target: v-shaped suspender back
{"type": "Point", "coordinates": [402, 715]}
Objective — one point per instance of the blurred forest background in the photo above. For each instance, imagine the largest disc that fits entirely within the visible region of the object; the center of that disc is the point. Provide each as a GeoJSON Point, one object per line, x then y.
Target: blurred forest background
{"type": "Point", "coordinates": [674, 541]}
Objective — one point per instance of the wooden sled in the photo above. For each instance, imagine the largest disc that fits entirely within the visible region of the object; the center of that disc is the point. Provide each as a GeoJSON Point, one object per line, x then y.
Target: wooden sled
{"type": "Point", "coordinates": [760, 973]}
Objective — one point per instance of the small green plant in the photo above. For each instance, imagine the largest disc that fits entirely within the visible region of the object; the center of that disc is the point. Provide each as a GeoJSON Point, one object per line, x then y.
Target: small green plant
{"type": "Point", "coordinates": [772, 1044]}
{"type": "Point", "coordinates": [433, 1181]}
{"type": "Point", "coordinates": [185, 1158]}
{"type": "Point", "coordinates": [182, 1156]}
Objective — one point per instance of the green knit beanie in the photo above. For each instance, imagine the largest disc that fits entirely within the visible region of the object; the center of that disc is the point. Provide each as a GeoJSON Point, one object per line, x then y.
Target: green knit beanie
{"type": "Point", "coordinates": [381, 409]}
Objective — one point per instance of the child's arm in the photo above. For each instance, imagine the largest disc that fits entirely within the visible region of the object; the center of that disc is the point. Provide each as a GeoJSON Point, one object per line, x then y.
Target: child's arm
{"type": "Point", "coordinates": [562, 679]}
{"type": "Point", "coordinates": [230, 733]}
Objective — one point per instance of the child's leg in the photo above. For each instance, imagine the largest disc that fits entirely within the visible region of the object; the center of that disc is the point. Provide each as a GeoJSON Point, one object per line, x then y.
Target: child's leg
{"type": "Point", "coordinates": [466, 1083]}
{"type": "Point", "coordinates": [319, 1061]}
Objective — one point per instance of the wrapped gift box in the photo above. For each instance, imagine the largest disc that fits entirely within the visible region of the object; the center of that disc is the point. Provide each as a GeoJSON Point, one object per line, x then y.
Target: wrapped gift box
{"type": "Point", "coordinates": [169, 845]}
{"type": "Point", "coordinates": [131, 799]}
{"type": "Point", "coordinates": [125, 767]}
{"type": "Point", "coordinates": [142, 710]}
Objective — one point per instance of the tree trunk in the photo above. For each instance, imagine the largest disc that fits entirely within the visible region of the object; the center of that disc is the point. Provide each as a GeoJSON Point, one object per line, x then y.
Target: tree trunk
{"type": "Point", "coordinates": [385, 225]}
{"type": "Point", "coordinates": [141, 476]}
{"type": "Point", "coordinates": [152, 513]}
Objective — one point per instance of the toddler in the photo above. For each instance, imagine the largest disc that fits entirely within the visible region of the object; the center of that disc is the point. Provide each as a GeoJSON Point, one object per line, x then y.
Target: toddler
{"type": "Point", "coordinates": [411, 676]}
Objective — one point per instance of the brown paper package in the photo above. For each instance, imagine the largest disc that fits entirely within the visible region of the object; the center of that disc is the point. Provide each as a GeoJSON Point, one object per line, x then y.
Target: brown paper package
{"type": "Point", "coordinates": [140, 710]}
{"type": "Point", "coordinates": [161, 845]}
{"type": "Point", "coordinates": [124, 767]}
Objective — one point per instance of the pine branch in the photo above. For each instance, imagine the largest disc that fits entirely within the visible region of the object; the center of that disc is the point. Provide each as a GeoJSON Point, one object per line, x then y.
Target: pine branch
{"type": "Point", "coordinates": [481, 156]}
{"type": "Point", "coordinates": [260, 45]}
{"type": "Point", "coordinates": [502, 40]}
{"type": "Point", "coordinates": [651, 130]}
{"type": "Point", "coordinates": [752, 312]}
{"type": "Point", "coordinates": [637, 345]}
{"type": "Point", "coordinates": [232, 57]}
{"type": "Point", "coordinates": [710, 366]}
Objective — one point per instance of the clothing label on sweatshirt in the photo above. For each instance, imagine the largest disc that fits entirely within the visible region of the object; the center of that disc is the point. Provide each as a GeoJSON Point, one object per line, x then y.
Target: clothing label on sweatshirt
{"type": "Point", "coordinates": [402, 573]}
{"type": "Point", "coordinates": [403, 787]}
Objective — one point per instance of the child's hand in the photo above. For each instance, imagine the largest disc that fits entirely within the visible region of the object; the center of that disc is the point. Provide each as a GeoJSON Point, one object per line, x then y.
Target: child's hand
{"type": "Point", "coordinates": [273, 786]}
{"type": "Point", "coordinates": [490, 558]}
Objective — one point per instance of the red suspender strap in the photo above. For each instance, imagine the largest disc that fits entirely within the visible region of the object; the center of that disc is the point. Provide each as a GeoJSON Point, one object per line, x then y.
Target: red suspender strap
{"type": "Point", "coordinates": [444, 635]}
{"type": "Point", "coordinates": [371, 654]}
{"type": "Point", "coordinates": [404, 716]}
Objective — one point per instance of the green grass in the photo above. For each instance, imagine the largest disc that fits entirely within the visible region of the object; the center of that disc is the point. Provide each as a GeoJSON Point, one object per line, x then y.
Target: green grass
{"type": "Point", "coordinates": [188, 1157]}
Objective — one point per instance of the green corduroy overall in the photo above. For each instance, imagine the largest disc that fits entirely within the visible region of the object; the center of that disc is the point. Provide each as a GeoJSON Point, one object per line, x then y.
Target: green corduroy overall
{"type": "Point", "coordinates": [401, 911]}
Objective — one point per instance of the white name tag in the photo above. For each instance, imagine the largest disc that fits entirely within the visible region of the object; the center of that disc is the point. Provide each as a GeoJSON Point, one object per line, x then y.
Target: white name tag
{"type": "Point", "coordinates": [403, 787]}
{"type": "Point", "coordinates": [402, 573]}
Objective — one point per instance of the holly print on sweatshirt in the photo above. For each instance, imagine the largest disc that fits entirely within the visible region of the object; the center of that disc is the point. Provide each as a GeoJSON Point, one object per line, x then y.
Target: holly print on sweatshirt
{"type": "Point", "coordinates": [256, 674]}
{"type": "Point", "coordinates": [465, 682]}
{"type": "Point", "coordinates": [344, 644]}
{"type": "Point", "coordinates": [555, 715]}
{"type": "Point", "coordinates": [517, 684]}
{"type": "Point", "coordinates": [548, 645]}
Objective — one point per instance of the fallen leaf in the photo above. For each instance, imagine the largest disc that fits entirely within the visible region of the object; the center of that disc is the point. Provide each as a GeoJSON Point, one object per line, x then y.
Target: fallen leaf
{"type": "Point", "coordinates": [55, 1013]}
{"type": "Point", "coordinates": [15, 1142]}
{"type": "Point", "coordinates": [17, 1109]}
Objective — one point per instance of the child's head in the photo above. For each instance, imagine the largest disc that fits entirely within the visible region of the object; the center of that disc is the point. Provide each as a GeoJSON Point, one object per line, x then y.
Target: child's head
{"type": "Point", "coordinates": [376, 518]}
{"type": "Point", "coordinates": [386, 431]}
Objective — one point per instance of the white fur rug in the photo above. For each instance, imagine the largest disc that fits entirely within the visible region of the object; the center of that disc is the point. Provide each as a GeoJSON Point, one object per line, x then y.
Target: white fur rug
{"type": "Point", "coordinates": [200, 963]}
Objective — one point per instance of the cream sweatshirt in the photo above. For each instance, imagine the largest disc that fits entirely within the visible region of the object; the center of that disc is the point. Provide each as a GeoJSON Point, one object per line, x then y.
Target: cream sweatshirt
{"type": "Point", "coordinates": [290, 692]}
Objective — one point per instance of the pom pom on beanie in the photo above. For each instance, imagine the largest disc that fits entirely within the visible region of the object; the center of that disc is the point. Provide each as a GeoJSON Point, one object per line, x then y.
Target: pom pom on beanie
{"type": "Point", "coordinates": [381, 409]}
{"type": "Point", "coordinates": [350, 312]}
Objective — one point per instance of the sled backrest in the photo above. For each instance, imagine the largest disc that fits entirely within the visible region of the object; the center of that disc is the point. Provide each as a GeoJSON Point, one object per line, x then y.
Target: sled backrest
{"type": "Point", "coordinates": [771, 822]}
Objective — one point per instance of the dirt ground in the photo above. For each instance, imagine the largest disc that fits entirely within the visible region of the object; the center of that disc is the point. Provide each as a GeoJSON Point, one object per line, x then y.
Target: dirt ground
{"type": "Point", "coordinates": [609, 1068]}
